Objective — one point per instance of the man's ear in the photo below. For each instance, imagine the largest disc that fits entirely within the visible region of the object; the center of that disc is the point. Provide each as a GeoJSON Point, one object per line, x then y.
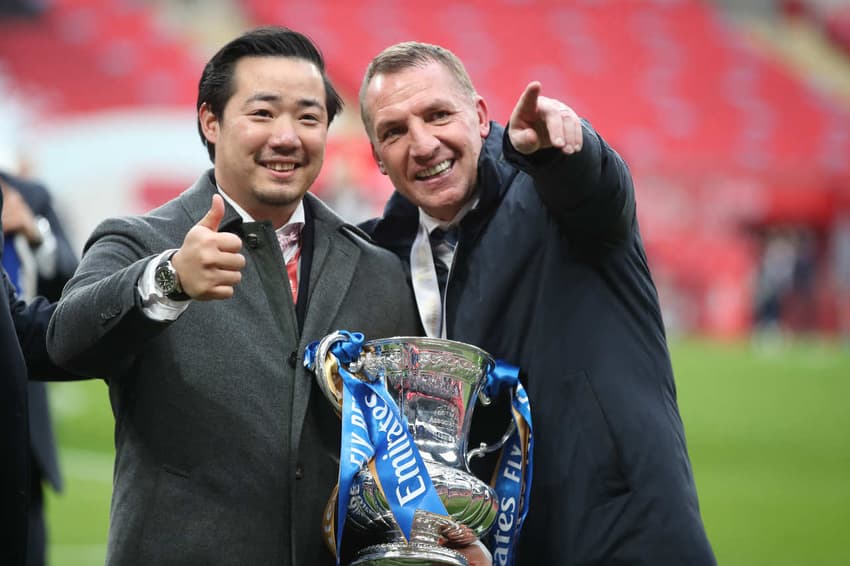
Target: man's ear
{"type": "Point", "coordinates": [209, 123]}
{"type": "Point", "coordinates": [380, 163]}
{"type": "Point", "coordinates": [483, 121]}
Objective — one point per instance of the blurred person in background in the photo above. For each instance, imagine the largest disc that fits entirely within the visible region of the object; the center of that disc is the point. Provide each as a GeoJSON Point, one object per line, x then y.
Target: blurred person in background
{"type": "Point", "coordinates": [840, 251]}
{"type": "Point", "coordinates": [545, 269]}
{"type": "Point", "coordinates": [346, 195]}
{"type": "Point", "coordinates": [23, 351]}
{"type": "Point", "coordinates": [774, 281]}
{"type": "Point", "coordinates": [39, 260]}
{"type": "Point", "coordinates": [198, 315]}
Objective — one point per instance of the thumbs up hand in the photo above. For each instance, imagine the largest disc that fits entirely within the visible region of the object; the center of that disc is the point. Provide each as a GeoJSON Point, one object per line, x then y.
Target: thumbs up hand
{"type": "Point", "coordinates": [209, 263]}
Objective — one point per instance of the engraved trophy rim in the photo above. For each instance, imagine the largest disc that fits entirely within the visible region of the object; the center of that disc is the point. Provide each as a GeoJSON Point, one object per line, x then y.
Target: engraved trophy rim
{"type": "Point", "coordinates": [332, 388]}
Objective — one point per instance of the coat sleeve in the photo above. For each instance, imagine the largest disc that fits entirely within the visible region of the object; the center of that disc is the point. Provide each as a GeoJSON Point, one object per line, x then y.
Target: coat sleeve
{"type": "Point", "coordinates": [30, 321]}
{"type": "Point", "coordinates": [590, 193]}
{"type": "Point", "coordinates": [99, 328]}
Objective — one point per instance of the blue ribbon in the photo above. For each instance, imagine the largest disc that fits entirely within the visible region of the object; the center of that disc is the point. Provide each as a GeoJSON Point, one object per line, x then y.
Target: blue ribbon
{"type": "Point", "coordinates": [373, 429]}
{"type": "Point", "coordinates": [512, 480]}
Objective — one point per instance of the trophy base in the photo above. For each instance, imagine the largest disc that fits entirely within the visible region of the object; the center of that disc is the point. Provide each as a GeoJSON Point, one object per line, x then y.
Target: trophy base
{"type": "Point", "coordinates": [408, 554]}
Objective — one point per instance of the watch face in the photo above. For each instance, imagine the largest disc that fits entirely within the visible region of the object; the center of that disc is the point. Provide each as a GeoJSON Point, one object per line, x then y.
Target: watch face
{"type": "Point", "coordinates": [165, 279]}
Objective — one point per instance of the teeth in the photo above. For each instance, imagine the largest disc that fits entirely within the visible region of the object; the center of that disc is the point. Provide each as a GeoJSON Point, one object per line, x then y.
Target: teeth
{"type": "Point", "coordinates": [431, 171]}
{"type": "Point", "coordinates": [281, 166]}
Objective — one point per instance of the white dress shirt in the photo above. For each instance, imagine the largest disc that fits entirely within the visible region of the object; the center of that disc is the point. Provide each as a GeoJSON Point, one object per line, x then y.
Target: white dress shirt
{"type": "Point", "coordinates": [424, 274]}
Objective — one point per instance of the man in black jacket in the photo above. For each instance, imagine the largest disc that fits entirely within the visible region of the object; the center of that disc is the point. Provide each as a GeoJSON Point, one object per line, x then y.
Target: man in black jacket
{"type": "Point", "coordinates": [547, 271]}
{"type": "Point", "coordinates": [39, 260]}
{"type": "Point", "coordinates": [23, 352]}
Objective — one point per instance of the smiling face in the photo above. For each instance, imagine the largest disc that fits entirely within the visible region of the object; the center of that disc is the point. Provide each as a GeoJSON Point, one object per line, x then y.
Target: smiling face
{"type": "Point", "coordinates": [427, 135]}
{"type": "Point", "coordinates": [270, 139]}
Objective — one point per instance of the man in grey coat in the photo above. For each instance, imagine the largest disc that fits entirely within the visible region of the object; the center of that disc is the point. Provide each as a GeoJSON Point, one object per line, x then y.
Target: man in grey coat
{"type": "Point", "coordinates": [198, 313]}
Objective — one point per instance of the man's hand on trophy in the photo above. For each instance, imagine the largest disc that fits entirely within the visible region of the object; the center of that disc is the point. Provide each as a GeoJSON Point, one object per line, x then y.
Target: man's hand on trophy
{"type": "Point", "coordinates": [462, 539]}
{"type": "Point", "coordinates": [476, 554]}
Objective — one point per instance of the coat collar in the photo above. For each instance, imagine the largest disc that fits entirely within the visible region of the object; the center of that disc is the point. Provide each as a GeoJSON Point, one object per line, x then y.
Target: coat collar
{"type": "Point", "coordinates": [336, 255]}
{"type": "Point", "coordinates": [196, 202]}
{"type": "Point", "coordinates": [397, 227]}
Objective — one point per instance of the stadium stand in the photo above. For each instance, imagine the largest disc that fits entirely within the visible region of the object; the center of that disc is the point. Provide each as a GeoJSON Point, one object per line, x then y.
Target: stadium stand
{"type": "Point", "coordinates": [724, 138]}
{"type": "Point", "coordinates": [94, 55]}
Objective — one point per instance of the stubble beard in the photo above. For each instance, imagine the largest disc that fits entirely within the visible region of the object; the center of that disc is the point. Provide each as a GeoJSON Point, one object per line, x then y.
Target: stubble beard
{"type": "Point", "coordinates": [278, 198]}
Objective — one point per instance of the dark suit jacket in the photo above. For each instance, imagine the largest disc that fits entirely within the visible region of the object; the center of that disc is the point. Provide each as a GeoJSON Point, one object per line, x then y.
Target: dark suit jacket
{"type": "Point", "coordinates": [42, 442]}
{"type": "Point", "coordinates": [24, 355]}
{"type": "Point", "coordinates": [226, 451]}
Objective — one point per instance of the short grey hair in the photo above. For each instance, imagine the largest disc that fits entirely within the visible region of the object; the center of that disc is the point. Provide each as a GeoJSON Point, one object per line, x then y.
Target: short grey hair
{"type": "Point", "coordinates": [408, 55]}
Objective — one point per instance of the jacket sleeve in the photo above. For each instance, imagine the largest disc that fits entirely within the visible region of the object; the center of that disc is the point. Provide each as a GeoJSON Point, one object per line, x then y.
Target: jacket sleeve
{"type": "Point", "coordinates": [99, 328]}
{"type": "Point", "coordinates": [590, 193]}
{"type": "Point", "coordinates": [30, 321]}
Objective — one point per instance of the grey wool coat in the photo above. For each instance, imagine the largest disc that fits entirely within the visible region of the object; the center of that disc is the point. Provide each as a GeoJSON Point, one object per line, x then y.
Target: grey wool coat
{"type": "Point", "coordinates": [226, 451]}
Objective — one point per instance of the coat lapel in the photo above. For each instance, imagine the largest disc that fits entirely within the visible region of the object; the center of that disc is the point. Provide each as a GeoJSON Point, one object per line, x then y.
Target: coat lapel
{"type": "Point", "coordinates": [196, 201]}
{"type": "Point", "coordinates": [335, 259]}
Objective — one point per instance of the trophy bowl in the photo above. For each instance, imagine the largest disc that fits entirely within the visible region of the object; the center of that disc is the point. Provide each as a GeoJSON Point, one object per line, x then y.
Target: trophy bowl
{"type": "Point", "coordinates": [435, 384]}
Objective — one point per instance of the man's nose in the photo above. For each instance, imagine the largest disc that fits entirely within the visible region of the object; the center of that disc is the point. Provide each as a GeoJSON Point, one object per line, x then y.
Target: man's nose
{"type": "Point", "coordinates": [284, 134]}
{"type": "Point", "coordinates": [423, 143]}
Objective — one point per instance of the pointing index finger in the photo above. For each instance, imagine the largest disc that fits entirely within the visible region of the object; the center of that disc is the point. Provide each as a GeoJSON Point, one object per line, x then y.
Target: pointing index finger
{"type": "Point", "coordinates": [527, 104]}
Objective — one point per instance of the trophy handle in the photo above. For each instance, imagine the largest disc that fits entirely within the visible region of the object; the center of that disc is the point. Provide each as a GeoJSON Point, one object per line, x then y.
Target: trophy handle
{"type": "Point", "coordinates": [484, 449]}
{"type": "Point", "coordinates": [326, 370]}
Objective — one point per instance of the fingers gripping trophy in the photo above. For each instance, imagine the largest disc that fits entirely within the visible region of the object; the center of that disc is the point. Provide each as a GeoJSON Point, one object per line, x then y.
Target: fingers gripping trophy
{"type": "Point", "coordinates": [405, 493]}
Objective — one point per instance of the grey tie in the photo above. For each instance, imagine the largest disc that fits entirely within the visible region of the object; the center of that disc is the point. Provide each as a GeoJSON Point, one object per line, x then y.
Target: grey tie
{"type": "Point", "coordinates": [443, 243]}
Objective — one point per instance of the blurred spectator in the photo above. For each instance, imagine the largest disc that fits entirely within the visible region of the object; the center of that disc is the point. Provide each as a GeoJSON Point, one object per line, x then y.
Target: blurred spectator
{"type": "Point", "coordinates": [785, 293]}
{"type": "Point", "coordinates": [774, 279]}
{"type": "Point", "coordinates": [841, 273]}
{"type": "Point", "coordinates": [346, 196]}
{"type": "Point", "coordinates": [15, 8]}
{"type": "Point", "coordinates": [800, 305]}
{"type": "Point", "coordinates": [24, 354]}
{"type": "Point", "coordinates": [39, 260]}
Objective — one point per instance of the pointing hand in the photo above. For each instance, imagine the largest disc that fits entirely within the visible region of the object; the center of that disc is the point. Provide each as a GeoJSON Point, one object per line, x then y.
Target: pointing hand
{"type": "Point", "coordinates": [538, 122]}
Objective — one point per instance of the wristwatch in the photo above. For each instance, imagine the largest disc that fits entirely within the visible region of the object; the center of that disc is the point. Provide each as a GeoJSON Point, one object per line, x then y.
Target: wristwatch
{"type": "Point", "coordinates": [168, 282]}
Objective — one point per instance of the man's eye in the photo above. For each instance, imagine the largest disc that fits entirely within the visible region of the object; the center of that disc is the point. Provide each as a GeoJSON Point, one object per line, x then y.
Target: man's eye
{"type": "Point", "coordinates": [310, 118]}
{"type": "Point", "coordinates": [261, 112]}
{"type": "Point", "coordinates": [440, 115]}
{"type": "Point", "coordinates": [391, 133]}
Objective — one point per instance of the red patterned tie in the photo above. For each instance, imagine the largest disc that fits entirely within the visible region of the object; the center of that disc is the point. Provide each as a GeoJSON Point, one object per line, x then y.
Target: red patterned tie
{"type": "Point", "coordinates": [290, 244]}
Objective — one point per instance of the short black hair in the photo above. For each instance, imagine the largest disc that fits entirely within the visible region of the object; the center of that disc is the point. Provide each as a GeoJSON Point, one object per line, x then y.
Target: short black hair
{"type": "Point", "coordinates": [216, 85]}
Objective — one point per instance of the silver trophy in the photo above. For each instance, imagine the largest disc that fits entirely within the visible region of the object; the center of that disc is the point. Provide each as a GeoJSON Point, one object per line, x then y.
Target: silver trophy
{"type": "Point", "coordinates": [435, 384]}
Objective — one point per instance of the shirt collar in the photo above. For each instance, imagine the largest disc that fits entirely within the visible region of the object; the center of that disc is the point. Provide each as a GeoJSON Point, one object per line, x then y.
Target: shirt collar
{"type": "Point", "coordinates": [297, 217]}
{"type": "Point", "coordinates": [430, 222]}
